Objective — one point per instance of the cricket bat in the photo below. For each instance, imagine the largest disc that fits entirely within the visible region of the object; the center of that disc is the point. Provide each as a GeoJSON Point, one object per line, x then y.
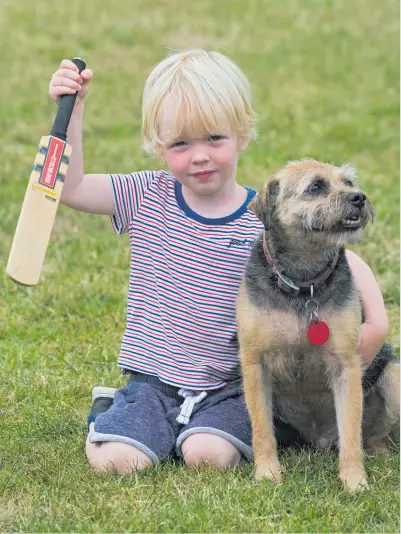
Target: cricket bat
{"type": "Point", "coordinates": [42, 197]}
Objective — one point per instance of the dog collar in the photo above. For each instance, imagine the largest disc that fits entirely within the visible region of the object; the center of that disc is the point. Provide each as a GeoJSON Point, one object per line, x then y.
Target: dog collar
{"type": "Point", "coordinates": [289, 286]}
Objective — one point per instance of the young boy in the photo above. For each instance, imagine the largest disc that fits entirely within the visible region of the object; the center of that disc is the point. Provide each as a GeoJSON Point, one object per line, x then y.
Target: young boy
{"type": "Point", "coordinates": [190, 235]}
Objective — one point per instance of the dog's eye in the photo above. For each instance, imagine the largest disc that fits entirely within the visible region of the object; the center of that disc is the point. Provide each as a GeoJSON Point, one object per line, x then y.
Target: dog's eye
{"type": "Point", "coordinates": [314, 187]}
{"type": "Point", "coordinates": [317, 186]}
{"type": "Point", "coordinates": [348, 183]}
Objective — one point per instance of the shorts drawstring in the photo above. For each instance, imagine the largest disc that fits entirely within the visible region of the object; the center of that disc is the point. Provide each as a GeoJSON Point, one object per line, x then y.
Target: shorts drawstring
{"type": "Point", "coordinates": [190, 399]}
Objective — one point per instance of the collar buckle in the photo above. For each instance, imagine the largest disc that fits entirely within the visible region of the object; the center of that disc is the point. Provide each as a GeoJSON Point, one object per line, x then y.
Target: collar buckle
{"type": "Point", "coordinates": [287, 285]}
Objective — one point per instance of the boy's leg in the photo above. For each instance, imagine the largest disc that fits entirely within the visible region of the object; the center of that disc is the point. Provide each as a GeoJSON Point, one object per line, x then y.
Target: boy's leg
{"type": "Point", "coordinates": [133, 433]}
{"type": "Point", "coordinates": [117, 457]}
{"type": "Point", "coordinates": [219, 431]}
{"type": "Point", "coordinates": [121, 458]}
{"type": "Point", "coordinates": [210, 449]}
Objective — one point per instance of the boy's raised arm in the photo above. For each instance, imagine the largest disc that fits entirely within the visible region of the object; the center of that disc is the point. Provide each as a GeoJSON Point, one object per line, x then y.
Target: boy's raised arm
{"type": "Point", "coordinates": [91, 193]}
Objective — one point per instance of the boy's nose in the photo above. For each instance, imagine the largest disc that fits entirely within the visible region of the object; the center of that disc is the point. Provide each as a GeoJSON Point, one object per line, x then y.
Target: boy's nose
{"type": "Point", "coordinates": [200, 156]}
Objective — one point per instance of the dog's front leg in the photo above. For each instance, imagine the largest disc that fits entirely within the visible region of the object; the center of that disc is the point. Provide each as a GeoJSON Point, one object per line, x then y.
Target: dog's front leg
{"type": "Point", "coordinates": [259, 400]}
{"type": "Point", "coordinates": [348, 403]}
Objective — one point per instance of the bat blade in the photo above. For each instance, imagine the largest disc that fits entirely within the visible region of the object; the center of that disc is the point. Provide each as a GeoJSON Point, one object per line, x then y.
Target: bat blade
{"type": "Point", "coordinates": [38, 211]}
{"type": "Point", "coordinates": [42, 196]}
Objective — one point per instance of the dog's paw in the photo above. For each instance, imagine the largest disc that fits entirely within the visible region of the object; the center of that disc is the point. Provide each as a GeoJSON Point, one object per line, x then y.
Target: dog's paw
{"type": "Point", "coordinates": [270, 470]}
{"type": "Point", "coordinates": [377, 448]}
{"type": "Point", "coordinates": [354, 479]}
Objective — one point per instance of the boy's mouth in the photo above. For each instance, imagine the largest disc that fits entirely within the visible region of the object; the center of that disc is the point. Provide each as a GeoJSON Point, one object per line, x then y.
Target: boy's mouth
{"type": "Point", "coordinates": [203, 175]}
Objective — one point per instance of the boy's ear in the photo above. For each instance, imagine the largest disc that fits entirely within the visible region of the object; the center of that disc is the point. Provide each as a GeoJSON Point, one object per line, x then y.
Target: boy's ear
{"type": "Point", "coordinates": [264, 203]}
{"type": "Point", "coordinates": [243, 144]}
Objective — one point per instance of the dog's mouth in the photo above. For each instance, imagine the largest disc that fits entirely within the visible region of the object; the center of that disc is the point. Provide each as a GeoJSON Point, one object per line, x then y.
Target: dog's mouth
{"type": "Point", "coordinates": [352, 223]}
{"type": "Point", "coordinates": [349, 223]}
{"type": "Point", "coordinates": [345, 224]}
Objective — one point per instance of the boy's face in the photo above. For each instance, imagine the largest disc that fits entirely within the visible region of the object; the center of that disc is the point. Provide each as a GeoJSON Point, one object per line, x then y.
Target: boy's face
{"type": "Point", "coordinates": [206, 164]}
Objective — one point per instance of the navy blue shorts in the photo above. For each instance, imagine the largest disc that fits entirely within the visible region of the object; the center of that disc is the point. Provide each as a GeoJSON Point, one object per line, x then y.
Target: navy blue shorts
{"type": "Point", "coordinates": [144, 414]}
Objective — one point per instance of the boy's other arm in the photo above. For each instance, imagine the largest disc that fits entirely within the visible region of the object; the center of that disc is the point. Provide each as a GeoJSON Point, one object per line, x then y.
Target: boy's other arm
{"type": "Point", "coordinates": [92, 193]}
{"type": "Point", "coordinates": [375, 328]}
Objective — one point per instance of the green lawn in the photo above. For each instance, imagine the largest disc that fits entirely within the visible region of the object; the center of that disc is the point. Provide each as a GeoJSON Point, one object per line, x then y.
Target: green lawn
{"type": "Point", "coordinates": [325, 80]}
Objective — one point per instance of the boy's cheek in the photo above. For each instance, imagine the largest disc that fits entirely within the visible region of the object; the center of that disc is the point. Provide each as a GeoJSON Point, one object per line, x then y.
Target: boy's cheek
{"type": "Point", "coordinates": [176, 162]}
{"type": "Point", "coordinates": [227, 158]}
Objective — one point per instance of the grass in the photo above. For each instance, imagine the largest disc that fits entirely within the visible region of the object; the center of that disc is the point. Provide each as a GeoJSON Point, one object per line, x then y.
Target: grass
{"type": "Point", "coordinates": [325, 81]}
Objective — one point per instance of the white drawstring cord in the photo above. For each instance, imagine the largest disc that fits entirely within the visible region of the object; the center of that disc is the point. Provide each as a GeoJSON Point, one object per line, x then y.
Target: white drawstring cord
{"type": "Point", "coordinates": [190, 399]}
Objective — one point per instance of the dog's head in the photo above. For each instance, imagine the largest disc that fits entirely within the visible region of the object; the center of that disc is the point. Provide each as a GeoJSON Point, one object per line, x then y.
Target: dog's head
{"type": "Point", "coordinates": [316, 202]}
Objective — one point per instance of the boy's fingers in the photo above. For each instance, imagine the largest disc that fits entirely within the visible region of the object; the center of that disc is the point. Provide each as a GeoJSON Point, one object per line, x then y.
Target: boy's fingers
{"type": "Point", "coordinates": [59, 81]}
{"type": "Point", "coordinates": [68, 73]}
{"type": "Point", "coordinates": [68, 80]}
{"type": "Point", "coordinates": [68, 64]}
{"type": "Point", "coordinates": [87, 75]}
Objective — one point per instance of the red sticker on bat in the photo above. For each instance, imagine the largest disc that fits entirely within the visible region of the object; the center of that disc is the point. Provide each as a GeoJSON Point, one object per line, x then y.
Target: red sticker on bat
{"type": "Point", "coordinates": [318, 332]}
{"type": "Point", "coordinates": [52, 162]}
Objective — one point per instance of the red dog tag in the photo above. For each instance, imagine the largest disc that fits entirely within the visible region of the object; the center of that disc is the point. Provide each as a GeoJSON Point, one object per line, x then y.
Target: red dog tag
{"type": "Point", "coordinates": [318, 332]}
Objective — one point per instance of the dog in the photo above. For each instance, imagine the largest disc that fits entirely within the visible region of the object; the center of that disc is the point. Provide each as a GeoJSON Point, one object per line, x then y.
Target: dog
{"type": "Point", "coordinates": [299, 315]}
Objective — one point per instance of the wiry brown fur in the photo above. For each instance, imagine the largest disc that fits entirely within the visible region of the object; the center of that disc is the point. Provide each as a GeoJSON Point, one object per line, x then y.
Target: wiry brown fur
{"type": "Point", "coordinates": [318, 389]}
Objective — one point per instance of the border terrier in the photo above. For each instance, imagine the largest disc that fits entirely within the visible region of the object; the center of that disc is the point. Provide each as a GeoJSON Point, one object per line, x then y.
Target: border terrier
{"type": "Point", "coordinates": [299, 315]}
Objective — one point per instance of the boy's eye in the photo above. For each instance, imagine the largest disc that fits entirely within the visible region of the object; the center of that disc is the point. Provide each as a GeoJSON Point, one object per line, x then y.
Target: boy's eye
{"type": "Point", "coordinates": [215, 138]}
{"type": "Point", "coordinates": [178, 144]}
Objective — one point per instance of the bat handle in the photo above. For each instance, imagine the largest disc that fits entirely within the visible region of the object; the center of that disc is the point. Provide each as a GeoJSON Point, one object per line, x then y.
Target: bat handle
{"type": "Point", "coordinates": [65, 108]}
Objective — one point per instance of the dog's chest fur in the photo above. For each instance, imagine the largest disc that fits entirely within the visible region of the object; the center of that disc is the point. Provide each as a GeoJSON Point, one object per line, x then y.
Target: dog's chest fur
{"type": "Point", "coordinates": [292, 360]}
{"type": "Point", "coordinates": [301, 376]}
{"type": "Point", "coordinates": [301, 393]}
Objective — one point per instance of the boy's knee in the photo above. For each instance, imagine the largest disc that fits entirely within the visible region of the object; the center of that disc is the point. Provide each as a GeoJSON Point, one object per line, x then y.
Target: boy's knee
{"type": "Point", "coordinates": [120, 458]}
{"type": "Point", "coordinates": [210, 449]}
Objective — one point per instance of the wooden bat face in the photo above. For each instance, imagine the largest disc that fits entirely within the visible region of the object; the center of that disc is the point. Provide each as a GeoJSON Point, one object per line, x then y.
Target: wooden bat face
{"type": "Point", "coordinates": [38, 211]}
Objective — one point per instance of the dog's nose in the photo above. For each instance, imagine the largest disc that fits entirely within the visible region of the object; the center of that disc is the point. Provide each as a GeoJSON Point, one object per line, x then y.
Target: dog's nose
{"type": "Point", "coordinates": [357, 199]}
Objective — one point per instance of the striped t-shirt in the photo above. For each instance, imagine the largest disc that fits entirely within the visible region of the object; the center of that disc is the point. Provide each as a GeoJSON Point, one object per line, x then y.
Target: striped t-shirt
{"type": "Point", "coordinates": [184, 279]}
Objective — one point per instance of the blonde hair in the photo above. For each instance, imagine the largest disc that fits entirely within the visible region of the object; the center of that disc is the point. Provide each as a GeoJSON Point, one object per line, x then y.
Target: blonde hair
{"type": "Point", "coordinates": [207, 92]}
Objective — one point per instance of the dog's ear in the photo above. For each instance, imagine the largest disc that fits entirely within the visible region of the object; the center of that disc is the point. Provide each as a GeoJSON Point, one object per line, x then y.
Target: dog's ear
{"type": "Point", "coordinates": [263, 204]}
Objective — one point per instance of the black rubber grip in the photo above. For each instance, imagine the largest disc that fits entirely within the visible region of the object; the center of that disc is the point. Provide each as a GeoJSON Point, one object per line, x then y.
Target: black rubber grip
{"type": "Point", "coordinates": [65, 108]}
